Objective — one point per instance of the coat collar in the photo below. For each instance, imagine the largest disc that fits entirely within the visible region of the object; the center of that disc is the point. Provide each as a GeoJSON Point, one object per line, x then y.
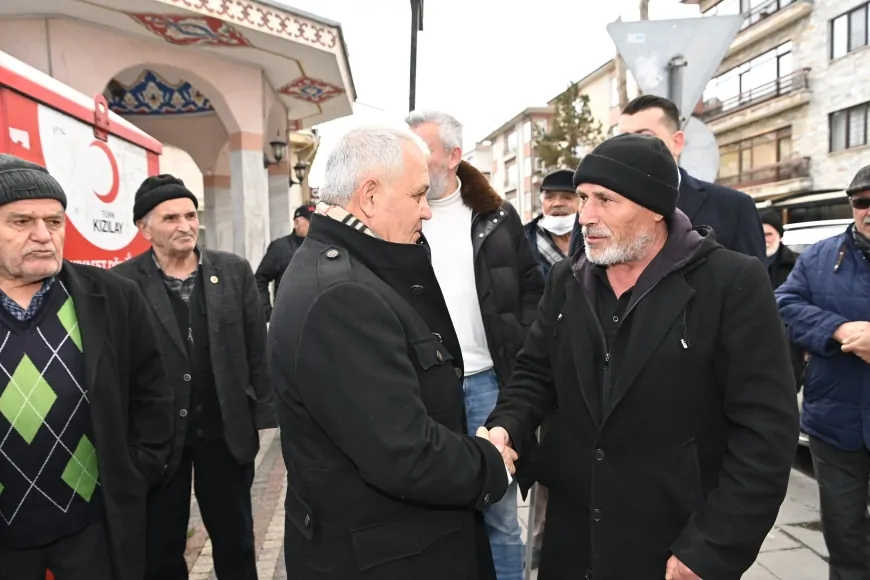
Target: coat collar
{"type": "Point", "coordinates": [90, 304]}
{"type": "Point", "coordinates": [374, 252]}
{"type": "Point", "coordinates": [477, 193]}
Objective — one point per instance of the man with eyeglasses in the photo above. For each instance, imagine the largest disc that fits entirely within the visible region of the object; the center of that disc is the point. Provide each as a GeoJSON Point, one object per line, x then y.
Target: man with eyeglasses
{"type": "Point", "coordinates": [825, 302]}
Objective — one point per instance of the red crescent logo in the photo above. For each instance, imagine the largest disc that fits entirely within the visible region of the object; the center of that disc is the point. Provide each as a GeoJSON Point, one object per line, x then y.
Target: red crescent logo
{"type": "Point", "coordinates": [113, 192]}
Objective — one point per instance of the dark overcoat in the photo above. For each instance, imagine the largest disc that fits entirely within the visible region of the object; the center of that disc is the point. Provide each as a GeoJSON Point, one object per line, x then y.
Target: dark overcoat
{"type": "Point", "coordinates": [689, 453]}
{"type": "Point", "coordinates": [382, 481]}
{"type": "Point", "coordinates": [131, 404]}
{"type": "Point", "coordinates": [237, 347]}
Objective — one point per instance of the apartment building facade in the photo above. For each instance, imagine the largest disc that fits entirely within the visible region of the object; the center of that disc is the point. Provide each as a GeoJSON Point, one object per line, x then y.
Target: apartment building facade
{"type": "Point", "coordinates": [789, 103]}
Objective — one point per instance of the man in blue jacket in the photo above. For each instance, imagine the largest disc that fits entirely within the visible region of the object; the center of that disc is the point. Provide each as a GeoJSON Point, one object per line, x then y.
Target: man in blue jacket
{"type": "Point", "coordinates": [825, 303]}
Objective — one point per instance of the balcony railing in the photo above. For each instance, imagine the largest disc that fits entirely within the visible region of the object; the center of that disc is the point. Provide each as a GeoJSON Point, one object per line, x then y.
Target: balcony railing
{"type": "Point", "coordinates": [761, 12]}
{"type": "Point", "coordinates": [793, 168]}
{"type": "Point", "coordinates": [796, 81]}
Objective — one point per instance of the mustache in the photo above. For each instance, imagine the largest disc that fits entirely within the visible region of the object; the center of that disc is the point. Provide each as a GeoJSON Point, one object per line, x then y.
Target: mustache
{"type": "Point", "coordinates": [597, 232]}
{"type": "Point", "coordinates": [560, 212]}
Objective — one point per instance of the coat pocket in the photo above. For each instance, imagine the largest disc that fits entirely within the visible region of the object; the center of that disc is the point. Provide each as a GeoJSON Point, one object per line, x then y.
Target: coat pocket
{"type": "Point", "coordinates": [690, 485]}
{"type": "Point", "coordinates": [298, 513]}
{"type": "Point", "coordinates": [387, 542]}
{"type": "Point", "coordinates": [439, 383]}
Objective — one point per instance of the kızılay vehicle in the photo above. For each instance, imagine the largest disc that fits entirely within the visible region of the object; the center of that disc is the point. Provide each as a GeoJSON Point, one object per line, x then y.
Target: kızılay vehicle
{"type": "Point", "coordinates": [99, 158]}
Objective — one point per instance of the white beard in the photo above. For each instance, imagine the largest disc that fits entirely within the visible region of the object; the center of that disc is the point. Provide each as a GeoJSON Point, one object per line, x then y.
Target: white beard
{"type": "Point", "coordinates": [615, 253]}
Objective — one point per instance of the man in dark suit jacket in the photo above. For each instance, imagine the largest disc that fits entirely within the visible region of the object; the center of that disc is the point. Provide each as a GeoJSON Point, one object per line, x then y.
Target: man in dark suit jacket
{"type": "Point", "coordinates": [213, 338]}
{"type": "Point", "coordinates": [85, 407]}
{"type": "Point", "coordinates": [730, 213]}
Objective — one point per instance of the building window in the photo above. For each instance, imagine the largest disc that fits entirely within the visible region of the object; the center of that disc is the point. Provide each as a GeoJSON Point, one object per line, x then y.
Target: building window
{"type": "Point", "coordinates": [752, 160]}
{"type": "Point", "coordinates": [510, 174]}
{"type": "Point", "coordinates": [848, 127]}
{"type": "Point", "coordinates": [849, 31]}
{"type": "Point", "coordinates": [541, 125]}
{"type": "Point", "coordinates": [510, 142]}
{"type": "Point", "coordinates": [755, 80]}
{"type": "Point", "coordinates": [527, 167]}
{"type": "Point", "coordinates": [527, 132]}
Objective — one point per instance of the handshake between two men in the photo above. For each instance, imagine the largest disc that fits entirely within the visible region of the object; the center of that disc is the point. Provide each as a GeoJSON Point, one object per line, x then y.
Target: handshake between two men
{"type": "Point", "coordinates": [502, 441]}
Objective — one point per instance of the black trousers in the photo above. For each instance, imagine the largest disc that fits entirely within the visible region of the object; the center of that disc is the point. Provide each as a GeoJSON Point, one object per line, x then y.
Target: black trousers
{"type": "Point", "coordinates": [844, 478]}
{"type": "Point", "coordinates": [223, 491]}
{"type": "Point", "coordinates": [83, 556]}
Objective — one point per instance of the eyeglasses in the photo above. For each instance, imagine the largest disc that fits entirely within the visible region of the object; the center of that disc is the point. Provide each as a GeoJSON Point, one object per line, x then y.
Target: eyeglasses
{"type": "Point", "coordinates": [860, 202]}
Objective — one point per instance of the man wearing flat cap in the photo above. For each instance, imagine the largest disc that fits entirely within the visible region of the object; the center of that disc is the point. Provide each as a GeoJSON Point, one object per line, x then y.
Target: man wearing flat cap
{"type": "Point", "coordinates": [278, 256]}
{"type": "Point", "coordinates": [826, 305]}
{"type": "Point", "coordinates": [213, 345]}
{"type": "Point", "coordinates": [550, 232]}
{"type": "Point", "coordinates": [85, 406]}
{"type": "Point", "coordinates": [663, 359]}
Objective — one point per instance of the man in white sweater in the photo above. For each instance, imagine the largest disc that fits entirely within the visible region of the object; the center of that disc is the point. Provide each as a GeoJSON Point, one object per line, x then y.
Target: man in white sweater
{"type": "Point", "coordinates": [491, 283]}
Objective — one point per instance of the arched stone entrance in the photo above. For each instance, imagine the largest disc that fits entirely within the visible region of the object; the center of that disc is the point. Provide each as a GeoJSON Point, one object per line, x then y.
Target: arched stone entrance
{"type": "Point", "coordinates": [217, 83]}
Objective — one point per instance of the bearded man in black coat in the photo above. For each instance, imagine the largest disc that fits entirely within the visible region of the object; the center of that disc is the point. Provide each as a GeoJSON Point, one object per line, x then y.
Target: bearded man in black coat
{"type": "Point", "coordinates": [383, 482]}
{"type": "Point", "coordinates": [665, 363]}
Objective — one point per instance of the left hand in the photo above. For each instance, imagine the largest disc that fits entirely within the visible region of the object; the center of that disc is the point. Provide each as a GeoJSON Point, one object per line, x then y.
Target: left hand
{"type": "Point", "coordinates": [676, 570]}
{"type": "Point", "coordinates": [858, 344]}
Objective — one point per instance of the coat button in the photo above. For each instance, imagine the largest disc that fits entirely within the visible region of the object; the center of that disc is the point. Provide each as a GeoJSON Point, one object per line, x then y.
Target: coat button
{"type": "Point", "coordinates": [439, 356]}
{"type": "Point", "coordinates": [588, 575]}
{"type": "Point", "coordinates": [486, 499]}
{"type": "Point", "coordinates": [307, 521]}
{"type": "Point", "coordinates": [480, 235]}
{"type": "Point", "coordinates": [183, 412]}
{"type": "Point", "coordinates": [417, 290]}
{"type": "Point", "coordinates": [599, 454]}
{"type": "Point", "coordinates": [332, 253]}
{"type": "Point", "coordinates": [596, 515]}
{"type": "Point", "coordinates": [186, 378]}
{"type": "Point", "coordinates": [458, 373]}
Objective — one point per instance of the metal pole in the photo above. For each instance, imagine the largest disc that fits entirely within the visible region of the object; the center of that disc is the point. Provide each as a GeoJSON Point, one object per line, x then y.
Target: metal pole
{"type": "Point", "coordinates": [530, 531]}
{"type": "Point", "coordinates": [416, 24]}
{"type": "Point", "coordinates": [676, 67]}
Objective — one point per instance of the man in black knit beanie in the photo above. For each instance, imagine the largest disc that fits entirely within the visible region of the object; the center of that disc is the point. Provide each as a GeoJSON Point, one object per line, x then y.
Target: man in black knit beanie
{"type": "Point", "coordinates": [661, 358]}
{"type": "Point", "coordinates": [85, 408]}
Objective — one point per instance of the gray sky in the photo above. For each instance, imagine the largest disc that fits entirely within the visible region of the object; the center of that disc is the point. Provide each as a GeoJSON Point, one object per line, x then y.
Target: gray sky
{"type": "Point", "coordinates": [483, 61]}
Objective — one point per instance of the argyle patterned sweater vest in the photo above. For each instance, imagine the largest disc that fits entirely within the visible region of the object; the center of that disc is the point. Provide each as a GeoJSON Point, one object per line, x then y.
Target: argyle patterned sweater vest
{"type": "Point", "coordinates": [49, 479]}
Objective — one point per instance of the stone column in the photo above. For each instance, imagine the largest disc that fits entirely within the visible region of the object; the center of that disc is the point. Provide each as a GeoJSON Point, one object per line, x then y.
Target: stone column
{"type": "Point", "coordinates": [218, 212]}
{"type": "Point", "coordinates": [249, 191]}
{"type": "Point", "coordinates": [280, 210]}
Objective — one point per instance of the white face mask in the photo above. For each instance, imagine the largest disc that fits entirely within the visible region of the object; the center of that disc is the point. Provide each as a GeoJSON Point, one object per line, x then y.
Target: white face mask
{"type": "Point", "coordinates": [559, 225]}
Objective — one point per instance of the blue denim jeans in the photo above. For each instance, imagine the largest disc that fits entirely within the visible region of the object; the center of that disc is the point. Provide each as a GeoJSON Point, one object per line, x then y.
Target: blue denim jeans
{"type": "Point", "coordinates": [502, 525]}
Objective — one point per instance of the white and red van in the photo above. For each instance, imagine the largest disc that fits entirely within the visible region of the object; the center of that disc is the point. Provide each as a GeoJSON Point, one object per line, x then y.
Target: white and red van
{"type": "Point", "coordinates": [99, 158]}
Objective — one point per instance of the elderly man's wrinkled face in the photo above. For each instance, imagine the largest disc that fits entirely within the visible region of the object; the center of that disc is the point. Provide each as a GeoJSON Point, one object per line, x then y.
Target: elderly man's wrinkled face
{"type": "Point", "coordinates": [396, 206]}
{"type": "Point", "coordinates": [615, 229]}
{"type": "Point", "coordinates": [772, 239]}
{"type": "Point", "coordinates": [32, 233]}
{"type": "Point", "coordinates": [559, 203]}
{"type": "Point", "coordinates": [172, 227]}
{"type": "Point", "coordinates": [861, 211]}
{"type": "Point", "coordinates": [441, 162]}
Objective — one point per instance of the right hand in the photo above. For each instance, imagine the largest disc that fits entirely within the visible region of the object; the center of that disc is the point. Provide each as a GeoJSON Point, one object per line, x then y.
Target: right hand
{"type": "Point", "coordinates": [850, 329]}
{"type": "Point", "coordinates": [502, 441]}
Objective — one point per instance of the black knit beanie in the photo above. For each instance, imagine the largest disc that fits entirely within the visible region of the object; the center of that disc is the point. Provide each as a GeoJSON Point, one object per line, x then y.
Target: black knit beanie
{"type": "Point", "coordinates": [773, 219]}
{"type": "Point", "coordinates": [20, 179]}
{"type": "Point", "coordinates": [637, 167]}
{"type": "Point", "coordinates": [157, 189]}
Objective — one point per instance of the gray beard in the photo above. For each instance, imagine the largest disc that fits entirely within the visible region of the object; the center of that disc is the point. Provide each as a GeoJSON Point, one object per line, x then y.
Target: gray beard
{"type": "Point", "coordinates": [630, 251]}
{"type": "Point", "coordinates": [437, 185]}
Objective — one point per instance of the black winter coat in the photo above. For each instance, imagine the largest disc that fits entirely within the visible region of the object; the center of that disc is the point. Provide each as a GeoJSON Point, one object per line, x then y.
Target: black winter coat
{"type": "Point", "coordinates": [691, 453]}
{"type": "Point", "coordinates": [272, 266]}
{"type": "Point", "coordinates": [778, 271]}
{"type": "Point", "coordinates": [509, 281]}
{"type": "Point", "coordinates": [383, 483]}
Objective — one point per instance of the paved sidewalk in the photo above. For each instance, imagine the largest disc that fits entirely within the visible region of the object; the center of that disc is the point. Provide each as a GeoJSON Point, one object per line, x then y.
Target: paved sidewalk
{"type": "Point", "coordinates": [794, 549]}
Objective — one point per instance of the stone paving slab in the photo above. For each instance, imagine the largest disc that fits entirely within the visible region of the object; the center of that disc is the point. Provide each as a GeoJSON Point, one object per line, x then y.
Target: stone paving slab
{"type": "Point", "coordinates": [794, 549]}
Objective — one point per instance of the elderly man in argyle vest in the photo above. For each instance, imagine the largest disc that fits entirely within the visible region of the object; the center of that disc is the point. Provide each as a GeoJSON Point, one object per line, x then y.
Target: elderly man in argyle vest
{"type": "Point", "coordinates": [86, 416]}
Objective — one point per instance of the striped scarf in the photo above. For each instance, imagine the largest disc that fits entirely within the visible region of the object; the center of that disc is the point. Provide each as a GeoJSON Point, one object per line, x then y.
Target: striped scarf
{"type": "Point", "coordinates": [342, 215]}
